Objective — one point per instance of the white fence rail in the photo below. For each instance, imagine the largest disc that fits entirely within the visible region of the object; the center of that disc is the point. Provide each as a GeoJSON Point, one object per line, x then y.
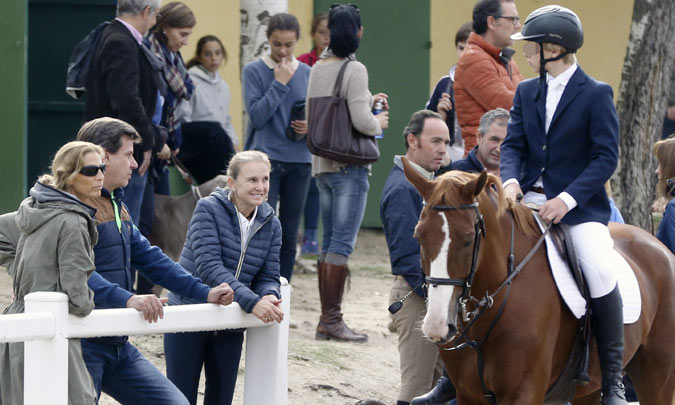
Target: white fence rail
{"type": "Point", "coordinates": [46, 326]}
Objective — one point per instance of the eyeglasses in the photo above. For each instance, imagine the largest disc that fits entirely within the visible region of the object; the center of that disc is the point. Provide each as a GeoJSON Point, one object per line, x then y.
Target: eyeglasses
{"type": "Point", "coordinates": [514, 18]}
{"type": "Point", "coordinates": [354, 6]}
{"type": "Point", "coordinates": [92, 170]}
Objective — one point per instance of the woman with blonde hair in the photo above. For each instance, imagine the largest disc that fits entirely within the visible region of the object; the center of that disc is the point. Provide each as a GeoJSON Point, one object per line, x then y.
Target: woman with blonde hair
{"type": "Point", "coordinates": [665, 154]}
{"type": "Point", "coordinates": [55, 253]}
{"type": "Point", "coordinates": [233, 237]}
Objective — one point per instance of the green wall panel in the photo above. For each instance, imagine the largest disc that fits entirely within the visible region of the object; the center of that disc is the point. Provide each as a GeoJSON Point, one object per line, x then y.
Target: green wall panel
{"type": "Point", "coordinates": [13, 45]}
{"type": "Point", "coordinates": [55, 26]}
{"type": "Point", "coordinates": [395, 49]}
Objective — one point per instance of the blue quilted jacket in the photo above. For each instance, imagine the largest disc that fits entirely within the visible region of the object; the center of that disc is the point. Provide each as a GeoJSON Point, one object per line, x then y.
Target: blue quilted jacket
{"type": "Point", "coordinates": [214, 250]}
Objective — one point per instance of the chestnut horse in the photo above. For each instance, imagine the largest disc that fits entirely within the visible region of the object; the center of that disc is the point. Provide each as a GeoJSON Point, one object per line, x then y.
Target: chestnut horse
{"type": "Point", "coordinates": [526, 339]}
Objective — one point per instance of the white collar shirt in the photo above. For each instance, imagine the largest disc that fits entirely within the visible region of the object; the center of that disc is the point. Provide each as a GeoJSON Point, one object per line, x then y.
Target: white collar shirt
{"type": "Point", "coordinates": [556, 87]}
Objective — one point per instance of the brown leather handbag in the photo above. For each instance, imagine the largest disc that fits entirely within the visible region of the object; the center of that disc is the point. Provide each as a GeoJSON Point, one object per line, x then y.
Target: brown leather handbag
{"type": "Point", "coordinates": [330, 131]}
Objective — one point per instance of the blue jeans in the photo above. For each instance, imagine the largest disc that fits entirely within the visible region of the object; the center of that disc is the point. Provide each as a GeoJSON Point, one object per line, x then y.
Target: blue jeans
{"type": "Point", "coordinates": [312, 206]}
{"type": "Point", "coordinates": [133, 195]}
{"type": "Point", "coordinates": [289, 183]}
{"type": "Point", "coordinates": [343, 198]}
{"type": "Point", "coordinates": [218, 352]}
{"type": "Point", "coordinates": [122, 372]}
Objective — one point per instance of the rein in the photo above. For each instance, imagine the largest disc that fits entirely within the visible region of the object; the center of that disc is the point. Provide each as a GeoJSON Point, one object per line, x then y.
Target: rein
{"type": "Point", "coordinates": [486, 302]}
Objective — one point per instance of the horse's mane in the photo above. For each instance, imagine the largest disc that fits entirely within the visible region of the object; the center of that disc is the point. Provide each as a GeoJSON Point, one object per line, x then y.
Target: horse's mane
{"type": "Point", "coordinates": [448, 190]}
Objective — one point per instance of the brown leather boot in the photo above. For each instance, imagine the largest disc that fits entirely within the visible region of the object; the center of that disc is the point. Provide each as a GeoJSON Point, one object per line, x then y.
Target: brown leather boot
{"type": "Point", "coordinates": [332, 280]}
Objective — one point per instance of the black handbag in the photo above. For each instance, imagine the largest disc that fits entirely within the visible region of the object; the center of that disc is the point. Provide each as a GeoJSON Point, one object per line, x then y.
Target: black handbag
{"type": "Point", "coordinates": [330, 131]}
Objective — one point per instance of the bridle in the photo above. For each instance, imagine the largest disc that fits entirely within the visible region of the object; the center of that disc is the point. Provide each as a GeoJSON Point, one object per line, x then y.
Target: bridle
{"type": "Point", "coordinates": [486, 302]}
{"type": "Point", "coordinates": [479, 233]}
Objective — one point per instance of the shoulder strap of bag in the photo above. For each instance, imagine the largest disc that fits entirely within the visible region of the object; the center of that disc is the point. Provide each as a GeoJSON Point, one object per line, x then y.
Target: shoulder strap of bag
{"type": "Point", "coordinates": [338, 82]}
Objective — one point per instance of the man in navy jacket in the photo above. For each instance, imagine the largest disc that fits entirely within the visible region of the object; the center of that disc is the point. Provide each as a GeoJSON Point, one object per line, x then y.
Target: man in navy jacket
{"type": "Point", "coordinates": [486, 155]}
{"type": "Point", "coordinates": [426, 139]}
{"type": "Point", "coordinates": [561, 148]}
{"type": "Point", "coordinates": [115, 365]}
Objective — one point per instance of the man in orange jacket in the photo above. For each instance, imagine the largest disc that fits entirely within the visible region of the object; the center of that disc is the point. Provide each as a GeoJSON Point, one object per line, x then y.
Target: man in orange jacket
{"type": "Point", "coordinates": [486, 77]}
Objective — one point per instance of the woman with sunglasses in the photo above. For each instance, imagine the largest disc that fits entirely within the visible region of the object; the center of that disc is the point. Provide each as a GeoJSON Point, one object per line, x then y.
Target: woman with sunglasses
{"type": "Point", "coordinates": [55, 253]}
{"type": "Point", "coordinates": [343, 188]}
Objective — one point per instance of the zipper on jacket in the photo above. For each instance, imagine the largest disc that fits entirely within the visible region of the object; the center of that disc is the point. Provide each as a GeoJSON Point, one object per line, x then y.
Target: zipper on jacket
{"type": "Point", "coordinates": [244, 244]}
{"type": "Point", "coordinates": [116, 209]}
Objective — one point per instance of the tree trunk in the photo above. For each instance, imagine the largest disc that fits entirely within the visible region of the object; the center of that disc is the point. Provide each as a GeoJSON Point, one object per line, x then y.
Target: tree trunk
{"type": "Point", "coordinates": [645, 85]}
{"type": "Point", "coordinates": [255, 15]}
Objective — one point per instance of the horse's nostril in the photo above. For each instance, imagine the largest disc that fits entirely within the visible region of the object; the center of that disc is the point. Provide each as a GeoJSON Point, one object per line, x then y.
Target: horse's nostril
{"type": "Point", "coordinates": [452, 329]}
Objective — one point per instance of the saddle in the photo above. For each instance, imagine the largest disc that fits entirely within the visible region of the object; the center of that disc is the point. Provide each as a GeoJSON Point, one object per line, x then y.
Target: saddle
{"type": "Point", "coordinates": [575, 371]}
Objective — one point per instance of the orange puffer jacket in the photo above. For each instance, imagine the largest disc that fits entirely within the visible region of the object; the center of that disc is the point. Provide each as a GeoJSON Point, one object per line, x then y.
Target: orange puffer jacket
{"type": "Point", "coordinates": [482, 83]}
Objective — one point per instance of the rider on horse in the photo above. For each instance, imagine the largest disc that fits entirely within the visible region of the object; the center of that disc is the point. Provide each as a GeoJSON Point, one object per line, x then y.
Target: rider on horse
{"type": "Point", "coordinates": [561, 147]}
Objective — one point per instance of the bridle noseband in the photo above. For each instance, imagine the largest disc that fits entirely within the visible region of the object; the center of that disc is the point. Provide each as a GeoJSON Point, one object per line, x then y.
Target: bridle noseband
{"type": "Point", "coordinates": [479, 233]}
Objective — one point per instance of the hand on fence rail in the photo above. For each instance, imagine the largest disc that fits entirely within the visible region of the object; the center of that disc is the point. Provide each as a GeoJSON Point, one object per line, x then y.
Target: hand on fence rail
{"type": "Point", "coordinates": [268, 309]}
{"type": "Point", "coordinates": [150, 305]}
{"type": "Point", "coordinates": [222, 294]}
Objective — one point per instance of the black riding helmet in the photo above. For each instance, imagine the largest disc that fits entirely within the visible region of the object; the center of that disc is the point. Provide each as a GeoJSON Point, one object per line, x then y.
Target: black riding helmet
{"type": "Point", "coordinates": [556, 25]}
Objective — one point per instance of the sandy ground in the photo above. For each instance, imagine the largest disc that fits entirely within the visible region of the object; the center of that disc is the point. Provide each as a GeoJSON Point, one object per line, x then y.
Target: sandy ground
{"type": "Point", "coordinates": [320, 371]}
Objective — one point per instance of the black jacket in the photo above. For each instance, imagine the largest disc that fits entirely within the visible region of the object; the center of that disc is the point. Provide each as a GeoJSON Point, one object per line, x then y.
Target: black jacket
{"type": "Point", "coordinates": [123, 83]}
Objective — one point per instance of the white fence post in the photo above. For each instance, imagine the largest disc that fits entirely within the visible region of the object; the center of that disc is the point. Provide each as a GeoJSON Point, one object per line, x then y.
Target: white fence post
{"type": "Point", "coordinates": [46, 361]}
{"type": "Point", "coordinates": [266, 377]}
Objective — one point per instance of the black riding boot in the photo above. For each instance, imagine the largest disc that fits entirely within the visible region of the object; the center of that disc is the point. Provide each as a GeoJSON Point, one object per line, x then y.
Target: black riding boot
{"type": "Point", "coordinates": [608, 321]}
{"type": "Point", "coordinates": [443, 392]}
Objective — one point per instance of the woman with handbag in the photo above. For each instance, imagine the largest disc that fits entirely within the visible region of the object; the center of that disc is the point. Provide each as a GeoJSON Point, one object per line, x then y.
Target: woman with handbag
{"type": "Point", "coordinates": [343, 186]}
{"type": "Point", "coordinates": [274, 88]}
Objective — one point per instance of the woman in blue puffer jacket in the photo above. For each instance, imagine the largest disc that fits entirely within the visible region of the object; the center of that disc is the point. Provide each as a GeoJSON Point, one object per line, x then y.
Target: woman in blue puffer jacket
{"type": "Point", "coordinates": [233, 237]}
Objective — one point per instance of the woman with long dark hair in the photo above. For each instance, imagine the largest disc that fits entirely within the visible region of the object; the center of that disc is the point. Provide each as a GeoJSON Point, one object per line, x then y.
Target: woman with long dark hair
{"type": "Point", "coordinates": [274, 88]}
{"type": "Point", "coordinates": [209, 138]}
{"type": "Point", "coordinates": [343, 188]}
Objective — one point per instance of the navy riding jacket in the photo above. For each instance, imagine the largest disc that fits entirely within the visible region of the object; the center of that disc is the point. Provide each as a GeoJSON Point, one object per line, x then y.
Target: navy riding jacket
{"type": "Point", "coordinates": [579, 152]}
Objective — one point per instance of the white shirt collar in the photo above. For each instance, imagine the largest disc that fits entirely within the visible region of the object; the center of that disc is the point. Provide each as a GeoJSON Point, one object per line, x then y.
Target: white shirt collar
{"type": "Point", "coordinates": [267, 59]}
{"type": "Point", "coordinates": [563, 78]}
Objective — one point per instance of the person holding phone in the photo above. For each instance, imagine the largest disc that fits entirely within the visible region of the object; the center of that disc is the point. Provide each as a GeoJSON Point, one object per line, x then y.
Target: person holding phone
{"type": "Point", "coordinates": [273, 85]}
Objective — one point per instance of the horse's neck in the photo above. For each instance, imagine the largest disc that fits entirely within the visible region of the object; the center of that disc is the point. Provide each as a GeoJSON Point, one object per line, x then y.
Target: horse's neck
{"type": "Point", "coordinates": [493, 268]}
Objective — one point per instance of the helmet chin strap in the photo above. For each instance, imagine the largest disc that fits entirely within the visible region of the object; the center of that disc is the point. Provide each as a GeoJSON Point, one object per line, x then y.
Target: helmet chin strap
{"type": "Point", "coordinates": [542, 68]}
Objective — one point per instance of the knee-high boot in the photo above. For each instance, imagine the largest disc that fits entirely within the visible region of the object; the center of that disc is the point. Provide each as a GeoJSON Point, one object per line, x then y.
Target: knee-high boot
{"type": "Point", "coordinates": [332, 280]}
{"type": "Point", "coordinates": [608, 321]}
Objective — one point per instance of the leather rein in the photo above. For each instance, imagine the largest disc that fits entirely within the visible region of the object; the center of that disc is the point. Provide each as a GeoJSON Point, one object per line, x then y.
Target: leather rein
{"type": "Point", "coordinates": [470, 318]}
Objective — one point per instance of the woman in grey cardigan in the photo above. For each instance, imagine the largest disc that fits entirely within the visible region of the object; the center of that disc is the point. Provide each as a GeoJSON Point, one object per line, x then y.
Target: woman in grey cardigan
{"type": "Point", "coordinates": [343, 188]}
{"type": "Point", "coordinates": [57, 233]}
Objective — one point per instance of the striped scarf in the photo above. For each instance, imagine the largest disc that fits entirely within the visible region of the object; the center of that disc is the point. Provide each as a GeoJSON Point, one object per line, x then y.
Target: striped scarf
{"type": "Point", "coordinates": [177, 79]}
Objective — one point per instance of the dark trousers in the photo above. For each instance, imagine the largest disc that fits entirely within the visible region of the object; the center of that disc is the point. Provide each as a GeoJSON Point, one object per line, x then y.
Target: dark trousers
{"type": "Point", "coordinates": [218, 352]}
{"type": "Point", "coordinates": [289, 183]}
{"type": "Point", "coordinates": [312, 206]}
{"type": "Point", "coordinates": [159, 184]}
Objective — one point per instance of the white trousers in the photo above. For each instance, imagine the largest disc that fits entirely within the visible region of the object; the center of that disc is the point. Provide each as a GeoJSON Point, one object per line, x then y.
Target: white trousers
{"type": "Point", "coordinates": [595, 250]}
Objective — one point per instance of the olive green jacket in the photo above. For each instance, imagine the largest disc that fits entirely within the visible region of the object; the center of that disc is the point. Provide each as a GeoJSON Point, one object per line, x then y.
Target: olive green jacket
{"type": "Point", "coordinates": [54, 253]}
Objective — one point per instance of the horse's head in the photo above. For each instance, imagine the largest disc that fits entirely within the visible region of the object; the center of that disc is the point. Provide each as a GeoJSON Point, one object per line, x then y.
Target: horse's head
{"type": "Point", "coordinates": [449, 232]}
{"type": "Point", "coordinates": [208, 187]}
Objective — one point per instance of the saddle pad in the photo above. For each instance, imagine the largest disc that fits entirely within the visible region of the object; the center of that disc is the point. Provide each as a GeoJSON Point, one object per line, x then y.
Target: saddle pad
{"type": "Point", "coordinates": [628, 285]}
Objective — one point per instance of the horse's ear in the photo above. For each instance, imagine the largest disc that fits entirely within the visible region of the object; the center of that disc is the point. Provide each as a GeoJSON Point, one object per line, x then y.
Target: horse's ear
{"type": "Point", "coordinates": [475, 186]}
{"type": "Point", "coordinates": [422, 185]}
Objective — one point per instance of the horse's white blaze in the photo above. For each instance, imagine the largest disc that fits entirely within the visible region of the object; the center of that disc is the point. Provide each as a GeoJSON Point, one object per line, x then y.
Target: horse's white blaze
{"type": "Point", "coordinates": [435, 324]}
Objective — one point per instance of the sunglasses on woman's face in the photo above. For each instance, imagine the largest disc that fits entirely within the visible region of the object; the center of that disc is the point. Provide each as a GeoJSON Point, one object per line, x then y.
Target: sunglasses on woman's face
{"type": "Point", "coordinates": [92, 170]}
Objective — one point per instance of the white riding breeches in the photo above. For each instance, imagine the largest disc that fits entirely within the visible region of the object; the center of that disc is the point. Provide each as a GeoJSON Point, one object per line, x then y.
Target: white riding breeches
{"type": "Point", "coordinates": [597, 257]}
{"type": "Point", "coordinates": [595, 250]}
